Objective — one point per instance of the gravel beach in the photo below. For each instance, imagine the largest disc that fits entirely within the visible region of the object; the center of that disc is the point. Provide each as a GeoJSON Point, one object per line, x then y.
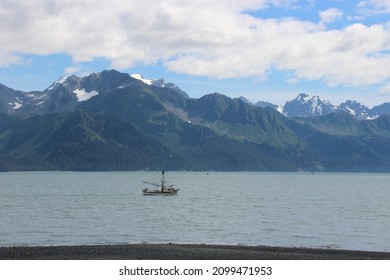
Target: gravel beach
{"type": "Point", "coordinates": [182, 252]}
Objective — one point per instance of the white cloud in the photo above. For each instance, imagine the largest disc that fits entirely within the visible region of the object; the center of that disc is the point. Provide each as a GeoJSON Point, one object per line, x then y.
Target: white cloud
{"type": "Point", "coordinates": [283, 3]}
{"type": "Point", "coordinates": [385, 90]}
{"type": "Point", "coordinates": [213, 38]}
{"type": "Point", "coordinates": [341, 57]}
{"type": "Point", "coordinates": [8, 59]}
{"type": "Point", "coordinates": [330, 15]}
{"type": "Point", "coordinates": [373, 7]}
{"type": "Point", "coordinates": [72, 70]}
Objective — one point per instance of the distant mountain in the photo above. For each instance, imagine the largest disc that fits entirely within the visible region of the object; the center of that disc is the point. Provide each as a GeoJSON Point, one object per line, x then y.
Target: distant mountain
{"type": "Point", "coordinates": [306, 106]}
{"type": "Point", "coordinates": [64, 94]}
{"type": "Point", "coordinates": [16, 101]}
{"type": "Point", "coordinates": [112, 121]}
{"type": "Point", "coordinates": [356, 109]}
{"type": "Point", "coordinates": [10, 99]}
{"type": "Point", "coordinates": [380, 110]}
{"type": "Point", "coordinates": [344, 143]}
{"type": "Point", "coordinates": [68, 92]}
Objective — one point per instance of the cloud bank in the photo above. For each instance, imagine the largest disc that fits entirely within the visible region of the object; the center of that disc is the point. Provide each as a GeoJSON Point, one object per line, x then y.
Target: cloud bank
{"type": "Point", "coordinates": [214, 38]}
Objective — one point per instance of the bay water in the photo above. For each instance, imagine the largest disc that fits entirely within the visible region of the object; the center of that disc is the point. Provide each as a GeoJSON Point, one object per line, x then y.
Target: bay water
{"type": "Point", "coordinates": [321, 210]}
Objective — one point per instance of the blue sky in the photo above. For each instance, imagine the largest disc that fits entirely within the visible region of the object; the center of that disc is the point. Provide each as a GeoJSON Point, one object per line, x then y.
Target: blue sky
{"type": "Point", "coordinates": [265, 50]}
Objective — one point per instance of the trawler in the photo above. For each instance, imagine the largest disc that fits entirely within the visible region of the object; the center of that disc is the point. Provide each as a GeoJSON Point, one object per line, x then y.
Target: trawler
{"type": "Point", "coordinates": [163, 189]}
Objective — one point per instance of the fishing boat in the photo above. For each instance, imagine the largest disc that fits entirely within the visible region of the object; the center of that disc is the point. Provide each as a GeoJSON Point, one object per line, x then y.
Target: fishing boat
{"type": "Point", "coordinates": [163, 189]}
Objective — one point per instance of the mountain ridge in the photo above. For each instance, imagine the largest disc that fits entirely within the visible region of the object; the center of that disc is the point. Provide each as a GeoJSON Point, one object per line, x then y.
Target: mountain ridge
{"type": "Point", "coordinates": [68, 92]}
{"type": "Point", "coordinates": [131, 125]}
{"type": "Point", "coordinates": [312, 106]}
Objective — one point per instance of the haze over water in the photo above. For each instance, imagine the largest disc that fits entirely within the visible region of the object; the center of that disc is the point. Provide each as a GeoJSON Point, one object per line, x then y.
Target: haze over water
{"type": "Point", "coordinates": [322, 210]}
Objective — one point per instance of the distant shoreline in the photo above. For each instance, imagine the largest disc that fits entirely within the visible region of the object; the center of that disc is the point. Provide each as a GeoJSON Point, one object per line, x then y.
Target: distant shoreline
{"type": "Point", "coordinates": [182, 252]}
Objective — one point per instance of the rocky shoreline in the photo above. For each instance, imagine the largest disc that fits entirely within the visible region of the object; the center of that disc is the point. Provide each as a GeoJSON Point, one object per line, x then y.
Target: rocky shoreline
{"type": "Point", "coordinates": [182, 252]}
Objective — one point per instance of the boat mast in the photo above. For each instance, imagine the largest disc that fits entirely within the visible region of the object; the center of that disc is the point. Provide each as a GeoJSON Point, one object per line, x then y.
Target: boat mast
{"type": "Point", "coordinates": [162, 181]}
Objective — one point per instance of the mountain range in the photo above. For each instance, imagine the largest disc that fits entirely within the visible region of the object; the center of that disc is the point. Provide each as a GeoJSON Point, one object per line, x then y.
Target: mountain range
{"type": "Point", "coordinates": [312, 106]}
{"type": "Point", "coordinates": [68, 92]}
{"type": "Point", "coordinates": [116, 121]}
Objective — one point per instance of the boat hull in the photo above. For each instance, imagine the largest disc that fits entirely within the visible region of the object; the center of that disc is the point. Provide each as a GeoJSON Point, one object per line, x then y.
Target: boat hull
{"type": "Point", "coordinates": [157, 192]}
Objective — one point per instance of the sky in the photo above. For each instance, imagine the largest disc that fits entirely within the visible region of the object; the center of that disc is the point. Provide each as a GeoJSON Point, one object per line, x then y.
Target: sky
{"type": "Point", "coordinates": [264, 50]}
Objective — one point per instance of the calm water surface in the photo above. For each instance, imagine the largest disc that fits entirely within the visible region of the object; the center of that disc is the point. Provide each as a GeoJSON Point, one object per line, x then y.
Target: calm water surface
{"type": "Point", "coordinates": [325, 210]}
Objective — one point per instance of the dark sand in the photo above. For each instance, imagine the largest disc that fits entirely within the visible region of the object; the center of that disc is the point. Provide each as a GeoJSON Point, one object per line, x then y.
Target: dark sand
{"type": "Point", "coordinates": [182, 252]}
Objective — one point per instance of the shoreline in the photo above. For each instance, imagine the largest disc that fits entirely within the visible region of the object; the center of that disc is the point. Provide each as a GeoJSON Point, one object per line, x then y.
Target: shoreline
{"type": "Point", "coordinates": [182, 252]}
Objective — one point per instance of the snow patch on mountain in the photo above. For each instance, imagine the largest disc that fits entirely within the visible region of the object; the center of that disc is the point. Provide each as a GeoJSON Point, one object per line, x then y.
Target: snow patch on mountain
{"type": "Point", "coordinates": [139, 77]}
{"type": "Point", "coordinates": [280, 109]}
{"type": "Point", "coordinates": [355, 109]}
{"type": "Point", "coordinates": [39, 100]}
{"type": "Point", "coordinates": [160, 83]}
{"type": "Point", "coordinates": [83, 95]}
{"type": "Point", "coordinates": [17, 105]}
{"type": "Point", "coordinates": [303, 98]}
{"type": "Point", "coordinates": [60, 81]}
{"type": "Point", "coordinates": [319, 105]}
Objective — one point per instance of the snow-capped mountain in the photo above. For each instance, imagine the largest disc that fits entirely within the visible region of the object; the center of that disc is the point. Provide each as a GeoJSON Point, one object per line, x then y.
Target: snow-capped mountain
{"type": "Point", "coordinates": [356, 109]}
{"type": "Point", "coordinates": [309, 106]}
{"type": "Point", "coordinates": [68, 92]}
{"type": "Point", "coordinates": [306, 106]}
{"type": "Point", "coordinates": [161, 83]}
